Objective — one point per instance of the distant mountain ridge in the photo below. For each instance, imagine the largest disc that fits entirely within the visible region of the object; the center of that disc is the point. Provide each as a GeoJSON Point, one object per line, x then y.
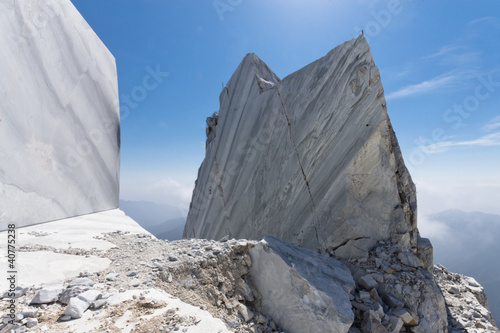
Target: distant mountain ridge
{"type": "Point", "coordinates": [163, 221]}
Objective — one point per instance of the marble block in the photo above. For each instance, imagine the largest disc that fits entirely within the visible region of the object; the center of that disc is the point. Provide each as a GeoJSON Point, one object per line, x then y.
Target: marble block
{"type": "Point", "coordinates": [59, 115]}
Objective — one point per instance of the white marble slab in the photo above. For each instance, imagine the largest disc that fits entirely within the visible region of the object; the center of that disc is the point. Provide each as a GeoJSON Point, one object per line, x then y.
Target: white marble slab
{"type": "Point", "coordinates": [82, 232]}
{"type": "Point", "coordinates": [59, 115]}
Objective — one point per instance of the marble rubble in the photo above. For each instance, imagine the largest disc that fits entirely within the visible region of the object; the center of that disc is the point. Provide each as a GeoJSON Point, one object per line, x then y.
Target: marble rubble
{"type": "Point", "coordinates": [59, 115]}
{"type": "Point", "coordinates": [71, 293]}
{"type": "Point", "coordinates": [473, 315]}
{"type": "Point", "coordinates": [232, 285]}
{"type": "Point", "coordinates": [311, 159]}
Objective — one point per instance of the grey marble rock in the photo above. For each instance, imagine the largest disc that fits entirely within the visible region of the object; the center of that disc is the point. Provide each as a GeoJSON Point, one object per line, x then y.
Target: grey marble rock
{"type": "Point", "coordinates": [301, 290]}
{"type": "Point", "coordinates": [76, 307]}
{"type": "Point", "coordinates": [82, 281]}
{"type": "Point", "coordinates": [368, 282]}
{"type": "Point", "coordinates": [409, 259]}
{"type": "Point", "coordinates": [31, 322]}
{"type": "Point", "coordinates": [47, 294]}
{"type": "Point", "coordinates": [29, 313]}
{"type": "Point", "coordinates": [90, 296]}
{"type": "Point", "coordinates": [311, 159]}
{"type": "Point", "coordinates": [425, 252]}
{"type": "Point", "coordinates": [71, 292]}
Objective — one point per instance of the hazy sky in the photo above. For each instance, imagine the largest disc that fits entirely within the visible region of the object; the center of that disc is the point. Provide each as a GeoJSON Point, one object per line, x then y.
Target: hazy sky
{"type": "Point", "coordinates": [439, 62]}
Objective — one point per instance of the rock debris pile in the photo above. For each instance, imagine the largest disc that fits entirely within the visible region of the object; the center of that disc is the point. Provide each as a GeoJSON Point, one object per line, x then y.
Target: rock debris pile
{"type": "Point", "coordinates": [220, 286]}
{"type": "Point", "coordinates": [395, 291]}
{"type": "Point", "coordinates": [137, 291]}
{"type": "Point", "coordinates": [466, 302]}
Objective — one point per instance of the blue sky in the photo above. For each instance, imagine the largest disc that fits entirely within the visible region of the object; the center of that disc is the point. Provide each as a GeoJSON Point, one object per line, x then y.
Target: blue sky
{"type": "Point", "coordinates": [439, 62]}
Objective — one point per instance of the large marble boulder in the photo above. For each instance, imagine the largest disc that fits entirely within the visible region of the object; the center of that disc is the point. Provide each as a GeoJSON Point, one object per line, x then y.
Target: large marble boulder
{"type": "Point", "coordinates": [59, 115]}
{"type": "Point", "coordinates": [303, 291]}
{"type": "Point", "coordinates": [311, 159]}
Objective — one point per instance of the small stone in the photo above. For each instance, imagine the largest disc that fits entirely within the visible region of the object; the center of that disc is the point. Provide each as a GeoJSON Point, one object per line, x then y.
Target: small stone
{"type": "Point", "coordinates": [224, 239]}
{"type": "Point", "coordinates": [30, 313]}
{"type": "Point", "coordinates": [245, 312]}
{"type": "Point", "coordinates": [387, 268]}
{"type": "Point", "coordinates": [415, 319]}
{"type": "Point", "coordinates": [70, 293]}
{"type": "Point", "coordinates": [368, 282]}
{"type": "Point", "coordinates": [396, 267]}
{"type": "Point", "coordinates": [90, 296]}
{"type": "Point", "coordinates": [99, 303]}
{"type": "Point", "coordinates": [360, 306]}
{"type": "Point", "coordinates": [233, 324]}
{"type": "Point", "coordinates": [378, 277]}
{"type": "Point", "coordinates": [372, 325]}
{"type": "Point", "coordinates": [379, 310]}
{"type": "Point", "coordinates": [362, 260]}
{"type": "Point", "coordinates": [404, 315]}
{"type": "Point", "coordinates": [392, 301]}
{"type": "Point", "coordinates": [76, 307]}
{"type": "Point", "coordinates": [65, 318]}
{"type": "Point", "coordinates": [135, 283]}
{"type": "Point", "coordinates": [133, 273]}
{"type": "Point", "coordinates": [31, 322]}
{"type": "Point", "coordinates": [47, 294]}
{"type": "Point", "coordinates": [195, 254]}
{"type": "Point", "coordinates": [409, 259]}
{"type": "Point", "coordinates": [395, 323]}
{"type": "Point", "coordinates": [19, 329]}
{"type": "Point", "coordinates": [83, 281]}
{"type": "Point", "coordinates": [364, 294]}
{"type": "Point", "coordinates": [112, 276]}
{"type": "Point", "coordinates": [374, 296]}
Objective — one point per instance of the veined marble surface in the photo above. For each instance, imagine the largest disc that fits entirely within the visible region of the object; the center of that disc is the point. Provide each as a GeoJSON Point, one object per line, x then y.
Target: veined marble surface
{"type": "Point", "coordinates": [311, 159]}
{"type": "Point", "coordinates": [59, 115]}
{"type": "Point", "coordinates": [84, 232]}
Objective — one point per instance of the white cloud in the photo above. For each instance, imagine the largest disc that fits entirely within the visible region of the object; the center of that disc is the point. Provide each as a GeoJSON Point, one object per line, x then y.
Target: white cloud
{"type": "Point", "coordinates": [489, 140]}
{"type": "Point", "coordinates": [492, 125]}
{"type": "Point", "coordinates": [455, 55]}
{"type": "Point", "coordinates": [436, 194]}
{"type": "Point", "coordinates": [165, 191]}
{"type": "Point", "coordinates": [443, 51]}
{"type": "Point", "coordinates": [424, 87]}
{"type": "Point", "coordinates": [488, 20]}
{"type": "Point", "coordinates": [432, 229]}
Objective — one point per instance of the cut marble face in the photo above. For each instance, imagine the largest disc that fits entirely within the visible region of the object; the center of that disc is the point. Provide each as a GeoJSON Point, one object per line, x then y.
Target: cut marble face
{"type": "Point", "coordinates": [311, 159]}
{"type": "Point", "coordinates": [59, 115]}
